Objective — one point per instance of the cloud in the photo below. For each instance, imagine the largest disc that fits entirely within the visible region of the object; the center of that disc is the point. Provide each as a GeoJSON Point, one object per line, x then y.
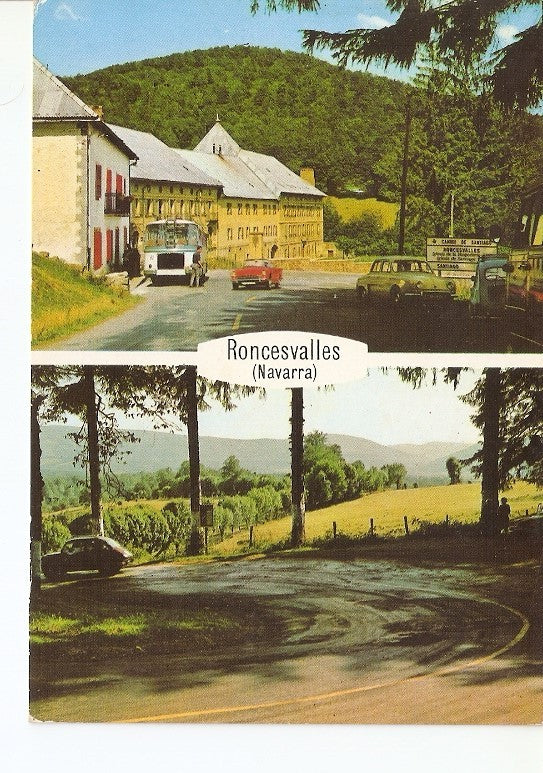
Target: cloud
{"type": "Point", "coordinates": [507, 33]}
{"type": "Point", "coordinates": [372, 22]}
{"type": "Point", "coordinates": [65, 11]}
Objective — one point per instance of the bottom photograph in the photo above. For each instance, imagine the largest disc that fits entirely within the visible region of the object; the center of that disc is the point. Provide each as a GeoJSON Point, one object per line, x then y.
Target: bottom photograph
{"type": "Point", "coordinates": [364, 553]}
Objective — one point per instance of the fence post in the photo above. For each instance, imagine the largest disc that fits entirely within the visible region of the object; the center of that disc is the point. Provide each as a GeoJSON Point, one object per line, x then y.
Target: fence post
{"type": "Point", "coordinates": [334, 529]}
{"type": "Point", "coordinates": [251, 536]}
{"type": "Point", "coordinates": [406, 525]}
{"type": "Point", "coordinates": [371, 527]}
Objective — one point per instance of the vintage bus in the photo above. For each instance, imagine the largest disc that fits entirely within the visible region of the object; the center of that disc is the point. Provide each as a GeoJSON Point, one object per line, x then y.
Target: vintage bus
{"type": "Point", "coordinates": [525, 284]}
{"type": "Point", "coordinates": [168, 249]}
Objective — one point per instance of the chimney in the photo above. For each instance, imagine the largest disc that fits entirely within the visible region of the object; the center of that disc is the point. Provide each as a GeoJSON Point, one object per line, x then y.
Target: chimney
{"type": "Point", "coordinates": [307, 173]}
{"type": "Point", "coordinates": [99, 110]}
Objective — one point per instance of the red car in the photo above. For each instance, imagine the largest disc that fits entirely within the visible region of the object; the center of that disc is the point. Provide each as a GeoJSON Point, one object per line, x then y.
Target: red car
{"type": "Point", "coordinates": [261, 273]}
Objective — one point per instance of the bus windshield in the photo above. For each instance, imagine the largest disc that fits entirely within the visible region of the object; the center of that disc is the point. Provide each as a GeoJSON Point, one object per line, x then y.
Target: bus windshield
{"type": "Point", "coordinates": [171, 234]}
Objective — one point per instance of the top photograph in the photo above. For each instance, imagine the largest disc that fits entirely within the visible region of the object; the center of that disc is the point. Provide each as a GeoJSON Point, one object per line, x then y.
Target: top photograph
{"type": "Point", "coordinates": [371, 170]}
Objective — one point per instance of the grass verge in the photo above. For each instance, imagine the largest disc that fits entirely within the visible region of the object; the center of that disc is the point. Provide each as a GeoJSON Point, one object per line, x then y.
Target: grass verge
{"type": "Point", "coordinates": [96, 620]}
{"type": "Point", "coordinates": [65, 302]}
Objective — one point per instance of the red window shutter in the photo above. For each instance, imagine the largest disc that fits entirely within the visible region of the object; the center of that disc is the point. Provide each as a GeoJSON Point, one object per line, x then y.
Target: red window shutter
{"type": "Point", "coordinates": [98, 182]}
{"type": "Point", "coordinates": [116, 245]}
{"type": "Point", "coordinates": [109, 245]}
{"type": "Point", "coordinates": [97, 256]}
{"type": "Point", "coordinates": [119, 184]}
{"type": "Point", "coordinates": [109, 181]}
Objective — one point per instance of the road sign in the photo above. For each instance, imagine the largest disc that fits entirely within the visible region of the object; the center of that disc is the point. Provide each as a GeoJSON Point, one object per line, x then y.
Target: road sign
{"type": "Point", "coordinates": [457, 257]}
{"type": "Point", "coordinates": [206, 515]}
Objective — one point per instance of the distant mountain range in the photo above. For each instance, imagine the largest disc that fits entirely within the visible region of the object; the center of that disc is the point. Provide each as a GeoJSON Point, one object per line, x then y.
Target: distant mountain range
{"type": "Point", "coordinates": [424, 463]}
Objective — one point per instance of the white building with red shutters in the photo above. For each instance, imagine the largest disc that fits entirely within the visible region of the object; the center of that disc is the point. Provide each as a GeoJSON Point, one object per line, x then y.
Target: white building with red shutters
{"type": "Point", "coordinates": [80, 179]}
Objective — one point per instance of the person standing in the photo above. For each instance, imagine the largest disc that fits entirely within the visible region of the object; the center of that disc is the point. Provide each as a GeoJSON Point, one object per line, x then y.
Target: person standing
{"type": "Point", "coordinates": [196, 268]}
{"type": "Point", "coordinates": [504, 512]}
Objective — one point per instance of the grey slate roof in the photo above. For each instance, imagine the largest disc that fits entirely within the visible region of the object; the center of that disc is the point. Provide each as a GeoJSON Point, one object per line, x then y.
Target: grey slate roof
{"type": "Point", "coordinates": [52, 100]}
{"type": "Point", "coordinates": [237, 180]}
{"type": "Point", "coordinates": [156, 161]}
{"type": "Point", "coordinates": [245, 174]}
{"type": "Point", "coordinates": [277, 176]}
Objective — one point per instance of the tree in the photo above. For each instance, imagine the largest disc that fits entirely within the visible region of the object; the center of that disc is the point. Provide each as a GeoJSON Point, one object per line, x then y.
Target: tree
{"type": "Point", "coordinates": [509, 411]}
{"type": "Point", "coordinates": [165, 394]}
{"type": "Point", "coordinates": [395, 474]}
{"type": "Point", "coordinates": [55, 394]}
{"type": "Point", "coordinates": [464, 30]}
{"type": "Point", "coordinates": [297, 466]}
{"type": "Point", "coordinates": [454, 468]}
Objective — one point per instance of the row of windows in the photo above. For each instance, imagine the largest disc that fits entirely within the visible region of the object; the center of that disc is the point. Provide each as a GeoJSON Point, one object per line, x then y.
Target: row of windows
{"type": "Point", "coordinates": [300, 210]}
{"type": "Point", "coordinates": [120, 183]}
{"type": "Point", "coordinates": [170, 208]}
{"type": "Point", "coordinates": [270, 230]}
{"type": "Point", "coordinates": [302, 229]}
{"type": "Point", "coordinates": [173, 189]}
{"type": "Point", "coordinates": [267, 209]}
{"type": "Point", "coordinates": [108, 246]}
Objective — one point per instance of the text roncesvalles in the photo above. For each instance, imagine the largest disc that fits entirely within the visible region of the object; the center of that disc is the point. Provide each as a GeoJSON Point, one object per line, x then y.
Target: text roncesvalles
{"type": "Point", "coordinates": [298, 360]}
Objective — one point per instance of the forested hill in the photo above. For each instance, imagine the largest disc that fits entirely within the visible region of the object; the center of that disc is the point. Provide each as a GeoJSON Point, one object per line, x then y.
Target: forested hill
{"type": "Point", "coordinates": [297, 108]}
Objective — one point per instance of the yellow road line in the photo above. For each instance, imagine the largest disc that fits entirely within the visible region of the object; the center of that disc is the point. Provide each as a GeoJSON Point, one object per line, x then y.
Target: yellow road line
{"type": "Point", "coordinates": [351, 690]}
{"type": "Point", "coordinates": [237, 321]}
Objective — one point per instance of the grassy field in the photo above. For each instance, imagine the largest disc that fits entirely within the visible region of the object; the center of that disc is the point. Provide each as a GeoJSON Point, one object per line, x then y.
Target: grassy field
{"type": "Point", "coordinates": [387, 508]}
{"type": "Point", "coordinates": [65, 302]}
{"type": "Point", "coordinates": [352, 208]}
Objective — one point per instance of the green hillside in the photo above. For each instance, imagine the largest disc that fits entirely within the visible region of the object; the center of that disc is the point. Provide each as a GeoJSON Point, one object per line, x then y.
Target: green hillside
{"type": "Point", "coordinates": [461, 503]}
{"type": "Point", "coordinates": [64, 301]}
{"type": "Point", "coordinates": [297, 108]}
{"type": "Point", "coordinates": [349, 126]}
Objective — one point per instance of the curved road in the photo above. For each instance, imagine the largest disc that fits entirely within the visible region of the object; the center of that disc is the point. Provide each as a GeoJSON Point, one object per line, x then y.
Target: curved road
{"type": "Point", "coordinates": [353, 642]}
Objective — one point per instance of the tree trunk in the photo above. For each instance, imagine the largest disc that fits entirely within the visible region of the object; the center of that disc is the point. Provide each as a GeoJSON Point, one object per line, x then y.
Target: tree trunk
{"type": "Point", "coordinates": [297, 476]}
{"type": "Point", "coordinates": [489, 470]}
{"type": "Point", "coordinates": [94, 454]}
{"type": "Point", "coordinates": [36, 497]}
{"type": "Point", "coordinates": [194, 458]}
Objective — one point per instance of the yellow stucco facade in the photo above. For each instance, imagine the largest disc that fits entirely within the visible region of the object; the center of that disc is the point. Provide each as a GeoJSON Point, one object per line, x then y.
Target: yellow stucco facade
{"type": "Point", "coordinates": [59, 191]}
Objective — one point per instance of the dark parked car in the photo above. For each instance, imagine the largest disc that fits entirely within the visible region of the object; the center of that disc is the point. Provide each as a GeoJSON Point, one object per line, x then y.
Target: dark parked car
{"type": "Point", "coordinates": [81, 554]}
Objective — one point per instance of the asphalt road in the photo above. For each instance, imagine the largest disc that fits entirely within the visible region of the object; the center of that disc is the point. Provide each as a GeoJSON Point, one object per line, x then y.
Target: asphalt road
{"type": "Point", "coordinates": [177, 318]}
{"type": "Point", "coordinates": [354, 642]}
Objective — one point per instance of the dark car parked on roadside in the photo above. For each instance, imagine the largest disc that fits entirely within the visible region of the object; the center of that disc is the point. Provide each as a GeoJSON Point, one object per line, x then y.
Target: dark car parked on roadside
{"type": "Point", "coordinates": [82, 554]}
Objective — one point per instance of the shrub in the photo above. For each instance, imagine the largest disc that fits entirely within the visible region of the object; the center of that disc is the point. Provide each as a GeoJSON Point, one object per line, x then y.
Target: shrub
{"type": "Point", "coordinates": [54, 534]}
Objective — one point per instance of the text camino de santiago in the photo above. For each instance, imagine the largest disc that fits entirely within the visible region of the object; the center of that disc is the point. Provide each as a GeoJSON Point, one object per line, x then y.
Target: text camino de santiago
{"type": "Point", "coordinates": [301, 358]}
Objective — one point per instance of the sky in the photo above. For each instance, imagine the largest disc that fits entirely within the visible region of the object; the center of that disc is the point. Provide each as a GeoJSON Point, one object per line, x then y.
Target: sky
{"type": "Point", "coordinates": [79, 36]}
{"type": "Point", "coordinates": [380, 407]}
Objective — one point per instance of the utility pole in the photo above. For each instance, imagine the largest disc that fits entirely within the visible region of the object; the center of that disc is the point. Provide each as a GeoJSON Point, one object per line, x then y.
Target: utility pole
{"type": "Point", "coordinates": [403, 185]}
